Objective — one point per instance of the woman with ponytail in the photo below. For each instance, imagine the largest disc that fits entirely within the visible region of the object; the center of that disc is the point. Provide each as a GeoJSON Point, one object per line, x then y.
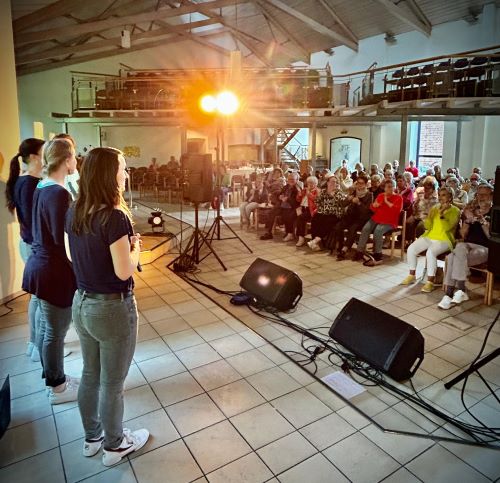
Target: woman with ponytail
{"type": "Point", "coordinates": [48, 273]}
{"type": "Point", "coordinates": [19, 192]}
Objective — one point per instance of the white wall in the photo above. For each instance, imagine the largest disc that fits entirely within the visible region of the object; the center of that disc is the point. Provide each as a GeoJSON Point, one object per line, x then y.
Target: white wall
{"type": "Point", "coordinates": [11, 265]}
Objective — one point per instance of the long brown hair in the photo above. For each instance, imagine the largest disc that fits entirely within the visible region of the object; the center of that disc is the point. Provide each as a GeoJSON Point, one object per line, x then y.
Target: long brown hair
{"type": "Point", "coordinates": [28, 146]}
{"type": "Point", "coordinates": [98, 193]}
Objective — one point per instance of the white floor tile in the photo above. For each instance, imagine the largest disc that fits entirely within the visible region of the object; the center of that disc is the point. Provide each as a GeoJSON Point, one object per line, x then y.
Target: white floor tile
{"type": "Point", "coordinates": [43, 468]}
{"type": "Point", "coordinates": [249, 469]}
{"type": "Point", "coordinates": [273, 383]}
{"type": "Point", "coordinates": [161, 367]}
{"type": "Point", "coordinates": [197, 356]}
{"type": "Point", "coordinates": [251, 362]}
{"type": "Point", "coordinates": [176, 388]}
{"type": "Point", "coordinates": [236, 397]}
{"type": "Point", "coordinates": [327, 431]}
{"type": "Point", "coordinates": [316, 469]}
{"type": "Point", "coordinates": [215, 374]}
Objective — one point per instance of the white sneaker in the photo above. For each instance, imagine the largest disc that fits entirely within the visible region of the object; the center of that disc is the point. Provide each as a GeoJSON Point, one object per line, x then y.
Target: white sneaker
{"type": "Point", "coordinates": [459, 297]}
{"type": "Point", "coordinates": [446, 302]}
{"type": "Point", "coordinates": [289, 237]}
{"type": "Point", "coordinates": [35, 355]}
{"type": "Point", "coordinates": [132, 441]}
{"type": "Point", "coordinates": [92, 447]}
{"type": "Point", "coordinates": [301, 242]}
{"type": "Point", "coordinates": [29, 349]}
{"type": "Point", "coordinates": [69, 394]}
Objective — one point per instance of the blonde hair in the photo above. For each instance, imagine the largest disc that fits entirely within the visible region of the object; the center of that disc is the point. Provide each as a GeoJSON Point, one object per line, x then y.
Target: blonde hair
{"type": "Point", "coordinates": [55, 153]}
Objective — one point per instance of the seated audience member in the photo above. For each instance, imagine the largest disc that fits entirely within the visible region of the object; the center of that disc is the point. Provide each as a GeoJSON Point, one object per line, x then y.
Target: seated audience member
{"type": "Point", "coordinates": [308, 172]}
{"type": "Point", "coordinates": [475, 232]}
{"type": "Point", "coordinates": [438, 175]}
{"type": "Point", "coordinates": [386, 209]}
{"type": "Point", "coordinates": [460, 197]}
{"type": "Point", "coordinates": [356, 215]}
{"type": "Point", "coordinates": [307, 207]}
{"type": "Point", "coordinates": [426, 198]}
{"type": "Point", "coordinates": [429, 173]}
{"type": "Point", "coordinates": [153, 166]}
{"type": "Point", "coordinates": [376, 185]}
{"type": "Point", "coordinates": [254, 197]}
{"type": "Point", "coordinates": [274, 183]}
{"type": "Point", "coordinates": [477, 170]}
{"type": "Point", "coordinates": [395, 166]}
{"type": "Point", "coordinates": [345, 181]}
{"type": "Point", "coordinates": [286, 208]}
{"type": "Point", "coordinates": [387, 166]}
{"type": "Point", "coordinates": [173, 165]}
{"type": "Point", "coordinates": [474, 182]}
{"type": "Point", "coordinates": [358, 169]}
{"type": "Point", "coordinates": [406, 191]}
{"type": "Point", "coordinates": [411, 168]}
{"type": "Point", "coordinates": [439, 237]}
{"type": "Point", "coordinates": [330, 205]}
{"type": "Point", "coordinates": [323, 179]}
{"type": "Point", "coordinates": [409, 179]}
{"type": "Point", "coordinates": [374, 170]}
{"type": "Point", "coordinates": [388, 174]}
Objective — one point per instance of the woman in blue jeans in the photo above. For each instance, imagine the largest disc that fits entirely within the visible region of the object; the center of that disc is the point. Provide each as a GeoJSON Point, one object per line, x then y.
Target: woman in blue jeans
{"type": "Point", "coordinates": [48, 273]}
{"type": "Point", "coordinates": [105, 253]}
{"type": "Point", "coordinates": [19, 193]}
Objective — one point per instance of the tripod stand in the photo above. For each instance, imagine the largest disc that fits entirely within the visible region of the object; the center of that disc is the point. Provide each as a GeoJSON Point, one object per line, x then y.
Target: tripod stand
{"type": "Point", "coordinates": [191, 254]}
{"type": "Point", "coordinates": [214, 230]}
{"type": "Point", "coordinates": [473, 368]}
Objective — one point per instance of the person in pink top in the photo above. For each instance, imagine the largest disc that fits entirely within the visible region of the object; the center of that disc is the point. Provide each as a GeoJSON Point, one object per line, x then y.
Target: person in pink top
{"type": "Point", "coordinates": [307, 207]}
{"type": "Point", "coordinates": [412, 169]}
{"type": "Point", "coordinates": [386, 209]}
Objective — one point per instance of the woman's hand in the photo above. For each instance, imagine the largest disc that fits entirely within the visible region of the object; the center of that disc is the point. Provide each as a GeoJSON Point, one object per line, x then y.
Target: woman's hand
{"type": "Point", "coordinates": [135, 241]}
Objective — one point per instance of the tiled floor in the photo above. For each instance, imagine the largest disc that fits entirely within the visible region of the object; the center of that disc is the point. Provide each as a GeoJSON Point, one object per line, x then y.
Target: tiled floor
{"type": "Point", "coordinates": [224, 405]}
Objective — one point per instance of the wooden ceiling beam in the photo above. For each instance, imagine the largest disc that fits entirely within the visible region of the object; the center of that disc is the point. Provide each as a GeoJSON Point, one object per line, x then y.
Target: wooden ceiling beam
{"type": "Point", "coordinates": [99, 44]}
{"type": "Point", "coordinates": [408, 16]}
{"type": "Point", "coordinates": [283, 29]}
{"type": "Point", "coordinates": [100, 25]}
{"type": "Point", "coordinates": [56, 9]}
{"type": "Point", "coordinates": [326, 5]}
{"type": "Point", "coordinates": [314, 25]}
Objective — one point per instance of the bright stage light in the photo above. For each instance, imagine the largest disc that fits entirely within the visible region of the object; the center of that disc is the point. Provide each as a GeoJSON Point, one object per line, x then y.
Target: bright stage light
{"type": "Point", "coordinates": [208, 103]}
{"type": "Point", "coordinates": [227, 103]}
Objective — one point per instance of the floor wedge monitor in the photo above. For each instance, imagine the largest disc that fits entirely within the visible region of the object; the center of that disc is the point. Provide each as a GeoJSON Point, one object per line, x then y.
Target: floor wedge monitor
{"type": "Point", "coordinates": [272, 285]}
{"type": "Point", "coordinates": [384, 341]}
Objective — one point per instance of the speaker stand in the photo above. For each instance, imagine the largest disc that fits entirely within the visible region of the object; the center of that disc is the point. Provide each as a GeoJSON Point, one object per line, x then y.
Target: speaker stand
{"type": "Point", "coordinates": [214, 231]}
{"type": "Point", "coordinates": [194, 246]}
{"type": "Point", "coordinates": [473, 368]}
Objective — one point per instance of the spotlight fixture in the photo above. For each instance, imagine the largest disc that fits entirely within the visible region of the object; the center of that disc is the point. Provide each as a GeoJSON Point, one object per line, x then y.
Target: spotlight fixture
{"type": "Point", "coordinates": [225, 103]}
{"type": "Point", "coordinates": [156, 221]}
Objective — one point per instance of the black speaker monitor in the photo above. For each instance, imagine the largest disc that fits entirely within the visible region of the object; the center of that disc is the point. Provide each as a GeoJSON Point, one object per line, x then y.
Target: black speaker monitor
{"type": "Point", "coordinates": [384, 341]}
{"type": "Point", "coordinates": [272, 285]}
{"type": "Point", "coordinates": [198, 169]}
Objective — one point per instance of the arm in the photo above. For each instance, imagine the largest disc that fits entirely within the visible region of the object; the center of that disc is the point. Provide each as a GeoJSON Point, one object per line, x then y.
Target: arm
{"type": "Point", "coordinates": [66, 247]}
{"type": "Point", "coordinates": [125, 255]}
{"type": "Point", "coordinates": [450, 218]}
{"type": "Point", "coordinates": [56, 215]}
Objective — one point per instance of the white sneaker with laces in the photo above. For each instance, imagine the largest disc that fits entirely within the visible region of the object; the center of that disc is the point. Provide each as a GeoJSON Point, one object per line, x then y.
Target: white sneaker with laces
{"type": "Point", "coordinates": [132, 441]}
{"type": "Point", "coordinates": [301, 242]}
{"type": "Point", "coordinates": [35, 355]}
{"type": "Point", "coordinates": [70, 392]}
{"type": "Point", "coordinates": [289, 237]}
{"type": "Point", "coordinates": [92, 447]}
{"type": "Point", "coordinates": [446, 302]}
{"type": "Point", "coordinates": [460, 296]}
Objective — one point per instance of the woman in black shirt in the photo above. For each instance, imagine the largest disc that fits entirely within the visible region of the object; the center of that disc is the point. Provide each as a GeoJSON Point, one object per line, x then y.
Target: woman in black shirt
{"type": "Point", "coordinates": [19, 194]}
{"type": "Point", "coordinates": [105, 252]}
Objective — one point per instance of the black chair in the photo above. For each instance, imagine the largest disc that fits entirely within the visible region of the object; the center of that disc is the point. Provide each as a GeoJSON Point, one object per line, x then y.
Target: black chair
{"type": "Point", "coordinates": [461, 63]}
{"type": "Point", "coordinates": [479, 61]}
{"type": "Point", "coordinates": [413, 71]}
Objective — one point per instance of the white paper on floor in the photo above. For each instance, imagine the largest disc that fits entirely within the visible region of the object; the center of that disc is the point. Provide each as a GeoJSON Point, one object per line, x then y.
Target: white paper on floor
{"type": "Point", "coordinates": [343, 384]}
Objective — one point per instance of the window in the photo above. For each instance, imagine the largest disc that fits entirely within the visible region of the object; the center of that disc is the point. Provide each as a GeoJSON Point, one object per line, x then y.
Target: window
{"type": "Point", "coordinates": [429, 144]}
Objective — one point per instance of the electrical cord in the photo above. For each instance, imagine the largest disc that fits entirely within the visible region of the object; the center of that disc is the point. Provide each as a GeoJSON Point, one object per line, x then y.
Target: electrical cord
{"type": "Point", "coordinates": [481, 435]}
{"type": "Point", "coordinates": [8, 307]}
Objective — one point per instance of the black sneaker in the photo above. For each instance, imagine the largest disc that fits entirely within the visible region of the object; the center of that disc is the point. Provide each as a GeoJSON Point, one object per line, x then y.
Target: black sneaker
{"type": "Point", "coordinates": [267, 236]}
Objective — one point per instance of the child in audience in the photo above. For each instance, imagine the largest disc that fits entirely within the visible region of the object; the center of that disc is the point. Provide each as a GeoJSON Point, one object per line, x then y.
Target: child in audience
{"type": "Point", "coordinates": [438, 238]}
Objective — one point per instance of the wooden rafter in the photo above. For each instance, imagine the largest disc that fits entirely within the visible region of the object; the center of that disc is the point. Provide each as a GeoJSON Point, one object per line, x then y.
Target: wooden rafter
{"type": "Point", "coordinates": [99, 44]}
{"type": "Point", "coordinates": [314, 25]}
{"type": "Point", "coordinates": [282, 28]}
{"type": "Point", "coordinates": [409, 15]}
{"type": "Point", "coordinates": [349, 33]}
{"type": "Point", "coordinates": [100, 25]}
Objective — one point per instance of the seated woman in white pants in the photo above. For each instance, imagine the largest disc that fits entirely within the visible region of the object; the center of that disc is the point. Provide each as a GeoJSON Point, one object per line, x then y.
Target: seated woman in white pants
{"type": "Point", "coordinates": [472, 251]}
{"type": "Point", "coordinates": [254, 197]}
{"type": "Point", "coordinates": [439, 237]}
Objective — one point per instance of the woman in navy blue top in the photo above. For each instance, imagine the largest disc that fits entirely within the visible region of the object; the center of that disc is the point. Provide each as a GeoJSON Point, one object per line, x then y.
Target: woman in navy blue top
{"type": "Point", "coordinates": [105, 252]}
{"type": "Point", "coordinates": [48, 273]}
{"type": "Point", "coordinates": [19, 194]}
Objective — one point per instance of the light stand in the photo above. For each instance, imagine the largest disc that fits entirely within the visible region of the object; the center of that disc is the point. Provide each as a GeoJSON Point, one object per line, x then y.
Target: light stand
{"type": "Point", "coordinates": [214, 230]}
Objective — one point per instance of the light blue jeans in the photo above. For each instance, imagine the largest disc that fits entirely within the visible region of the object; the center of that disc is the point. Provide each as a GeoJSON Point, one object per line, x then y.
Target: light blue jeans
{"type": "Point", "coordinates": [53, 326]}
{"type": "Point", "coordinates": [33, 312]}
{"type": "Point", "coordinates": [108, 332]}
{"type": "Point", "coordinates": [378, 230]}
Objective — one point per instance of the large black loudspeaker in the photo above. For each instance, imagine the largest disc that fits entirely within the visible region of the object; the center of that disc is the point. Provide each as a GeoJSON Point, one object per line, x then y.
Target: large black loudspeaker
{"type": "Point", "coordinates": [382, 340]}
{"type": "Point", "coordinates": [272, 285]}
{"type": "Point", "coordinates": [199, 176]}
{"type": "Point", "coordinates": [494, 242]}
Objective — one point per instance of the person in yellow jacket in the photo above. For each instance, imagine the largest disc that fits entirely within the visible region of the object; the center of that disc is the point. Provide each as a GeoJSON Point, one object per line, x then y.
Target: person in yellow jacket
{"type": "Point", "coordinates": [438, 238]}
